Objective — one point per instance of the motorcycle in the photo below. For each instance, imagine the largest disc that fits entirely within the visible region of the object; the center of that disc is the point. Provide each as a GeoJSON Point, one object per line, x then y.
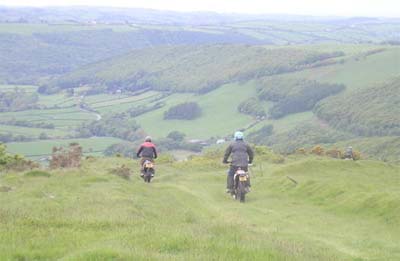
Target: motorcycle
{"type": "Point", "coordinates": [148, 171]}
{"type": "Point", "coordinates": [241, 184]}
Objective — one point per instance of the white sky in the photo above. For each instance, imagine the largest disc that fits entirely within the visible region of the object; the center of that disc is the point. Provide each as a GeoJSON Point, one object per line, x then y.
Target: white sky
{"type": "Point", "coordinates": [388, 8]}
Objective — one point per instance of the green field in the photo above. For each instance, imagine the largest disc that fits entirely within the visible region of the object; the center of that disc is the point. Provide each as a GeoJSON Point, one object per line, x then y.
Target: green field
{"type": "Point", "coordinates": [339, 210]}
{"type": "Point", "coordinates": [365, 72]}
{"type": "Point", "coordinates": [219, 113]}
{"type": "Point", "coordinates": [12, 87]}
{"type": "Point", "coordinates": [39, 149]}
{"type": "Point", "coordinates": [33, 132]}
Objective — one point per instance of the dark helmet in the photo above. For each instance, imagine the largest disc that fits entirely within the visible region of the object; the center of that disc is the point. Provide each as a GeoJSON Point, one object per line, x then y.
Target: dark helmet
{"type": "Point", "coordinates": [147, 139]}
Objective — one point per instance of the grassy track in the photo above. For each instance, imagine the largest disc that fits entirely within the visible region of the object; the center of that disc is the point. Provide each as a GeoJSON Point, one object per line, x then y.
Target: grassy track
{"type": "Point", "coordinates": [339, 210]}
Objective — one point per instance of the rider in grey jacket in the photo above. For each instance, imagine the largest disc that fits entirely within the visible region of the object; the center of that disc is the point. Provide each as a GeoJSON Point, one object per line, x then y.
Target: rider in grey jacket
{"type": "Point", "coordinates": [242, 155]}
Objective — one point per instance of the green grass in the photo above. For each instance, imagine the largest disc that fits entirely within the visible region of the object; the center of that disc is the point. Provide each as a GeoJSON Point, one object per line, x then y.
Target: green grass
{"type": "Point", "coordinates": [39, 149]}
{"type": "Point", "coordinates": [63, 117]}
{"type": "Point", "coordinates": [12, 87]}
{"type": "Point", "coordinates": [33, 132]}
{"type": "Point", "coordinates": [365, 72]}
{"type": "Point", "coordinates": [219, 113]}
{"type": "Point", "coordinates": [286, 123]}
{"type": "Point", "coordinates": [382, 148]}
{"type": "Point", "coordinates": [37, 173]}
{"type": "Point", "coordinates": [339, 210]}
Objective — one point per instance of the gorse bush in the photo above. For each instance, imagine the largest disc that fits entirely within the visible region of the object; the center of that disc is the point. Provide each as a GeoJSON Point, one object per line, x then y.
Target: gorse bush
{"type": "Point", "coordinates": [318, 150]}
{"type": "Point", "coordinates": [14, 162]}
{"type": "Point", "coordinates": [66, 157]}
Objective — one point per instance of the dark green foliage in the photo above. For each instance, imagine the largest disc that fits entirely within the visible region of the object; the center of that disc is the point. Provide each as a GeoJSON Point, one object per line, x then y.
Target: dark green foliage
{"type": "Point", "coordinates": [176, 136]}
{"type": "Point", "coordinates": [37, 173]}
{"type": "Point", "coordinates": [316, 57]}
{"type": "Point", "coordinates": [186, 68]}
{"type": "Point", "coordinates": [261, 134]}
{"type": "Point", "coordinates": [17, 100]}
{"type": "Point", "coordinates": [27, 58]}
{"type": "Point", "coordinates": [373, 111]}
{"type": "Point", "coordinates": [9, 137]}
{"type": "Point", "coordinates": [118, 125]}
{"type": "Point", "coordinates": [252, 106]}
{"type": "Point", "coordinates": [127, 149]}
{"type": "Point", "coordinates": [43, 136]}
{"type": "Point", "coordinates": [183, 111]}
{"type": "Point", "coordinates": [293, 95]}
{"type": "Point", "coordinates": [14, 162]}
{"type": "Point", "coordinates": [304, 135]}
{"type": "Point", "coordinates": [167, 144]}
{"type": "Point", "coordinates": [139, 110]}
{"type": "Point", "coordinates": [25, 123]}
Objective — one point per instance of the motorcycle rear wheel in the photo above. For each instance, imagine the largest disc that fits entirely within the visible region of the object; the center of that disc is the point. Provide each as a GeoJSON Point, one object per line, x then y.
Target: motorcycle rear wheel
{"type": "Point", "coordinates": [241, 195]}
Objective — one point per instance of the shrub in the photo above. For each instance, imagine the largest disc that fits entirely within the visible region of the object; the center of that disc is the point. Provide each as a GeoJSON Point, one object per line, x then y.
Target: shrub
{"type": "Point", "coordinates": [317, 150]}
{"type": "Point", "coordinates": [334, 153]}
{"type": "Point", "coordinates": [263, 153]}
{"type": "Point", "coordinates": [66, 158]}
{"type": "Point", "coordinates": [302, 151]}
{"type": "Point", "coordinates": [252, 106]}
{"type": "Point", "coordinates": [176, 136]}
{"type": "Point", "coordinates": [183, 111]}
{"type": "Point", "coordinates": [356, 155]}
{"type": "Point", "coordinates": [14, 162]}
{"type": "Point", "coordinates": [123, 172]}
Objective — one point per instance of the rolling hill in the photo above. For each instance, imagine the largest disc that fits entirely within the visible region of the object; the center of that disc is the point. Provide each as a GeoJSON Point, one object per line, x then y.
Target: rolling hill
{"type": "Point", "coordinates": [189, 68]}
{"type": "Point", "coordinates": [89, 213]}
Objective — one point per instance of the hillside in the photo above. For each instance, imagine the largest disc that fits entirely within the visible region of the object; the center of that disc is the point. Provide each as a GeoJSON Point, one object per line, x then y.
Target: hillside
{"type": "Point", "coordinates": [339, 210]}
{"type": "Point", "coordinates": [189, 68]}
{"type": "Point", "coordinates": [367, 112]}
{"type": "Point", "coordinates": [361, 67]}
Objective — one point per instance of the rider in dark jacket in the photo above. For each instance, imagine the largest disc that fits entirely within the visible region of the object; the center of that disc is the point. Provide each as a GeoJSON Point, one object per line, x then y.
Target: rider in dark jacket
{"type": "Point", "coordinates": [147, 151]}
{"type": "Point", "coordinates": [242, 155]}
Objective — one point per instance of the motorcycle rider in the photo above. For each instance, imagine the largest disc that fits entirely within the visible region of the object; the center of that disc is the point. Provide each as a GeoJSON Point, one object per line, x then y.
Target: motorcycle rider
{"type": "Point", "coordinates": [147, 151]}
{"type": "Point", "coordinates": [349, 153]}
{"type": "Point", "coordinates": [242, 155]}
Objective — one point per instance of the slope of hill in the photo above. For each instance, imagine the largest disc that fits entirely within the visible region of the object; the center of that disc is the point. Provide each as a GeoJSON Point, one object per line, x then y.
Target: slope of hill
{"type": "Point", "coordinates": [367, 112]}
{"type": "Point", "coordinates": [368, 72]}
{"type": "Point", "coordinates": [338, 210]}
{"type": "Point", "coordinates": [190, 68]}
{"type": "Point", "coordinates": [31, 52]}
